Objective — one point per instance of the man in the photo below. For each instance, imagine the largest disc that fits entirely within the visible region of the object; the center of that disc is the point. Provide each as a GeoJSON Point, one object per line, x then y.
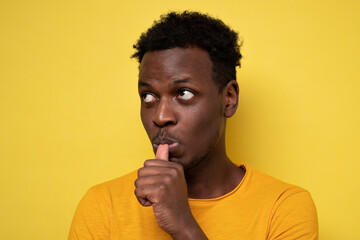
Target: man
{"type": "Point", "coordinates": [191, 190]}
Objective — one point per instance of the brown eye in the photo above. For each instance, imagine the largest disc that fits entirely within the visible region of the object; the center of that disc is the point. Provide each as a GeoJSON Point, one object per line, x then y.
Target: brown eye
{"type": "Point", "coordinates": [186, 94]}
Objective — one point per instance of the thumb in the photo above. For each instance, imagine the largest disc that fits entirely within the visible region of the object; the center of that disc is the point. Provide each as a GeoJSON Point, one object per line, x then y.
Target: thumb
{"type": "Point", "coordinates": [163, 152]}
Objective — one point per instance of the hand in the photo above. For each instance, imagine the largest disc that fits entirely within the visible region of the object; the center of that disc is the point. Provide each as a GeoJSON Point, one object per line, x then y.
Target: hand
{"type": "Point", "coordinates": [162, 185]}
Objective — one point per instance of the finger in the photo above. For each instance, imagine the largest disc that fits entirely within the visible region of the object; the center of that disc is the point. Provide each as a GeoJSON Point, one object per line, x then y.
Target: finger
{"type": "Point", "coordinates": [151, 170]}
{"type": "Point", "coordinates": [150, 180]}
{"type": "Point", "coordinates": [158, 162]}
{"type": "Point", "coordinates": [151, 193]}
{"type": "Point", "coordinates": [163, 152]}
{"type": "Point", "coordinates": [144, 201]}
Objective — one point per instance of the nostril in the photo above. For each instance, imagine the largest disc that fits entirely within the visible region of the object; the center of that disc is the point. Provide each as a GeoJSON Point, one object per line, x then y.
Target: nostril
{"type": "Point", "coordinates": [163, 121]}
{"type": "Point", "coordinates": [164, 115]}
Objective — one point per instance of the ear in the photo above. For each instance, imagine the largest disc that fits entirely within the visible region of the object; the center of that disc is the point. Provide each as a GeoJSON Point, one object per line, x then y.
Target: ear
{"type": "Point", "coordinates": [231, 98]}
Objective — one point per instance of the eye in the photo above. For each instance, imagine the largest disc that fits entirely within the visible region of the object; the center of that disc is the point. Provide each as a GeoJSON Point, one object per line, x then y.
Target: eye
{"type": "Point", "coordinates": [148, 98]}
{"type": "Point", "coordinates": [186, 94]}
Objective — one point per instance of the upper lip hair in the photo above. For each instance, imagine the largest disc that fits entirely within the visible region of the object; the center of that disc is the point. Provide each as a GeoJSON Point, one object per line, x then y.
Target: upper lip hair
{"type": "Point", "coordinates": [164, 140]}
{"type": "Point", "coordinates": [163, 137]}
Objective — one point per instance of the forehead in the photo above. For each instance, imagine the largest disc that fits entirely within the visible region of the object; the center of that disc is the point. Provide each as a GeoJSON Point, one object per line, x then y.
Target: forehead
{"type": "Point", "coordinates": [191, 62]}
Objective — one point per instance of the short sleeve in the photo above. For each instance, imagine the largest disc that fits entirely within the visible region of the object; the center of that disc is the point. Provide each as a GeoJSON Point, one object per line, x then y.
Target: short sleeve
{"type": "Point", "coordinates": [92, 217]}
{"type": "Point", "coordinates": [294, 217]}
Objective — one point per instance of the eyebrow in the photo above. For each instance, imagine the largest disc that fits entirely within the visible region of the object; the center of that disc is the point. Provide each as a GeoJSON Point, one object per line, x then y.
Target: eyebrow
{"type": "Point", "coordinates": [178, 81]}
{"type": "Point", "coordinates": [175, 82]}
{"type": "Point", "coordinates": [145, 84]}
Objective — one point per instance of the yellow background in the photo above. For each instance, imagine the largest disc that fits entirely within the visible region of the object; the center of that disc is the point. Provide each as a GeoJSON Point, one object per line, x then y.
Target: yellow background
{"type": "Point", "coordinates": [69, 110]}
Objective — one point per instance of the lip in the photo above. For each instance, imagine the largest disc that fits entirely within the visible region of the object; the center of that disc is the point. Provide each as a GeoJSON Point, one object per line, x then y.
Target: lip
{"type": "Point", "coordinates": [164, 140]}
{"type": "Point", "coordinates": [163, 137]}
{"type": "Point", "coordinates": [172, 145]}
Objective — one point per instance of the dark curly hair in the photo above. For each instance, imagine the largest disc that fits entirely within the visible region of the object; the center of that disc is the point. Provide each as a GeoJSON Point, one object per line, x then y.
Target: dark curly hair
{"type": "Point", "coordinates": [188, 29]}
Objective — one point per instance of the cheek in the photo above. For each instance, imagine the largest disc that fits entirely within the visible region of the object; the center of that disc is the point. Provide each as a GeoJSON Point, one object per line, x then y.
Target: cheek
{"type": "Point", "coordinates": [145, 119]}
{"type": "Point", "coordinates": [204, 123]}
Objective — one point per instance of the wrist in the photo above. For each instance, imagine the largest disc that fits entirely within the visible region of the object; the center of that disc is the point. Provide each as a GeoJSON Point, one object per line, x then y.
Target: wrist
{"type": "Point", "coordinates": [189, 232]}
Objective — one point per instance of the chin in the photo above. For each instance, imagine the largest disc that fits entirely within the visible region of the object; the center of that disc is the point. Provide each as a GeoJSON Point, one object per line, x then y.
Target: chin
{"type": "Point", "coordinates": [183, 162]}
{"type": "Point", "coordinates": [188, 163]}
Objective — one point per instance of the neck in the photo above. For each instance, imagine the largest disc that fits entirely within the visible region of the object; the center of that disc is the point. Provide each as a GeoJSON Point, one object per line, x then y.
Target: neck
{"type": "Point", "coordinates": [214, 176]}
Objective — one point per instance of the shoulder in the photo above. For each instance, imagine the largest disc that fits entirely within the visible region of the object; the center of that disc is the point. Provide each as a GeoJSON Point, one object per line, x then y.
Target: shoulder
{"type": "Point", "coordinates": [103, 194]}
{"type": "Point", "coordinates": [92, 219]}
{"type": "Point", "coordinates": [116, 185]}
{"type": "Point", "coordinates": [292, 209]}
{"type": "Point", "coordinates": [264, 184]}
{"type": "Point", "coordinates": [280, 194]}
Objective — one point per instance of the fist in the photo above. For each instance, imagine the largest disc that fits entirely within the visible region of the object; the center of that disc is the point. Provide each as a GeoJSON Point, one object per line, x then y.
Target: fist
{"type": "Point", "coordinates": [162, 185]}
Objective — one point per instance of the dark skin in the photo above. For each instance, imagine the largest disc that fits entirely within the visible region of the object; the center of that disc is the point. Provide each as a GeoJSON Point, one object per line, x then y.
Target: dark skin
{"type": "Point", "coordinates": [184, 116]}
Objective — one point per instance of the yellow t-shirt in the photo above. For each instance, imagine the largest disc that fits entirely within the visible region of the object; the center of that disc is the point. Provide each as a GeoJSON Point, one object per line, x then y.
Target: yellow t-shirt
{"type": "Point", "coordinates": [260, 207]}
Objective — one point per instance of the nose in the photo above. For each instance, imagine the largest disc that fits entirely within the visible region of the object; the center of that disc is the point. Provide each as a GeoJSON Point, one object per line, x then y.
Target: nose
{"type": "Point", "coordinates": [164, 115]}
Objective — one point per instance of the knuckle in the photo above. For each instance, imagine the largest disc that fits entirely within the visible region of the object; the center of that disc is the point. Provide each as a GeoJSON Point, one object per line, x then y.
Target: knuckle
{"type": "Point", "coordinates": [140, 172]}
{"type": "Point", "coordinates": [178, 170]}
{"type": "Point", "coordinates": [162, 187]}
{"type": "Point", "coordinates": [179, 167]}
{"type": "Point", "coordinates": [174, 171]}
{"type": "Point", "coordinates": [167, 179]}
{"type": "Point", "coordinates": [136, 183]}
{"type": "Point", "coordinates": [139, 191]}
{"type": "Point", "coordinates": [146, 163]}
{"type": "Point", "coordinates": [149, 162]}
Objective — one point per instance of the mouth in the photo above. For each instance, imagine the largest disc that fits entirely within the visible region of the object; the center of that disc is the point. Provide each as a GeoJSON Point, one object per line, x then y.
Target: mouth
{"type": "Point", "coordinates": [171, 145]}
{"type": "Point", "coordinates": [170, 142]}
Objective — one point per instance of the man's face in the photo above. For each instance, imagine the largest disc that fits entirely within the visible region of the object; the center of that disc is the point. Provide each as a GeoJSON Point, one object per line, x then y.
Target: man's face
{"type": "Point", "coordinates": [180, 103]}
